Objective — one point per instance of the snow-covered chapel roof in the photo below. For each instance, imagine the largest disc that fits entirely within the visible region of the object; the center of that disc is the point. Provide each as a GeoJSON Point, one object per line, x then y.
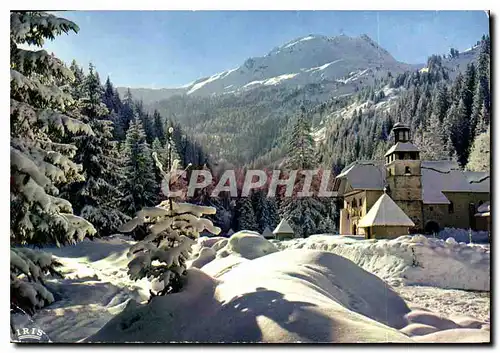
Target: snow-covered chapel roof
{"type": "Point", "coordinates": [437, 177]}
{"type": "Point", "coordinates": [443, 176]}
{"type": "Point", "coordinates": [366, 175]}
{"type": "Point", "coordinates": [385, 212]}
{"type": "Point", "coordinates": [283, 227]}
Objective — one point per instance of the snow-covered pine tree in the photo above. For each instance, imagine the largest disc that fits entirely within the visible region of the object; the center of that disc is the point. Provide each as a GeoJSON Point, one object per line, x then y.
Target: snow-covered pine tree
{"type": "Point", "coordinates": [160, 151]}
{"type": "Point", "coordinates": [96, 198]}
{"type": "Point", "coordinates": [158, 127]}
{"type": "Point", "coordinates": [139, 185]}
{"type": "Point", "coordinates": [460, 131]}
{"type": "Point", "coordinates": [76, 86]}
{"type": "Point", "coordinates": [172, 229]}
{"type": "Point", "coordinates": [479, 159]}
{"type": "Point", "coordinates": [303, 213]}
{"type": "Point", "coordinates": [41, 155]}
{"type": "Point", "coordinates": [146, 120]}
{"type": "Point", "coordinates": [430, 140]}
{"type": "Point", "coordinates": [326, 225]}
{"type": "Point", "coordinates": [265, 210]}
{"type": "Point", "coordinates": [28, 268]}
{"type": "Point", "coordinates": [125, 116]}
{"type": "Point", "coordinates": [483, 86]}
{"type": "Point", "coordinates": [245, 215]}
{"type": "Point", "coordinates": [112, 101]}
{"type": "Point", "coordinates": [258, 199]}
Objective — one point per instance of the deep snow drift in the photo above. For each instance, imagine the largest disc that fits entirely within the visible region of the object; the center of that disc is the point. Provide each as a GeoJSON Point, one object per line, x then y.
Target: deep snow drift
{"type": "Point", "coordinates": [410, 260]}
{"type": "Point", "coordinates": [245, 289]}
{"type": "Point", "coordinates": [292, 296]}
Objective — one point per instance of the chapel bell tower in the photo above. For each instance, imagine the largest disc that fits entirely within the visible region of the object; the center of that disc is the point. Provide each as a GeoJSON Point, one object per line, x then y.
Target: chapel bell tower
{"type": "Point", "coordinates": [403, 174]}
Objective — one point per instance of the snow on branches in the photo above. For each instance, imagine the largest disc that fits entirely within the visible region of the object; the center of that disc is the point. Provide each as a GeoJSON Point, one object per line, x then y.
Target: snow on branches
{"type": "Point", "coordinates": [27, 270]}
{"type": "Point", "coordinates": [162, 255]}
{"type": "Point", "coordinates": [172, 230]}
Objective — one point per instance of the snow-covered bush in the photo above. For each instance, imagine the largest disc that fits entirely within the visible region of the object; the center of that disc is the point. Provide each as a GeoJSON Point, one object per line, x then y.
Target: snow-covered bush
{"type": "Point", "coordinates": [27, 271]}
{"type": "Point", "coordinates": [162, 255]}
{"type": "Point", "coordinates": [172, 230]}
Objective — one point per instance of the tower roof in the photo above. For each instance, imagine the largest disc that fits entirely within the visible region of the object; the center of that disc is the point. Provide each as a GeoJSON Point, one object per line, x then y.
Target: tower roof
{"type": "Point", "coordinates": [283, 227]}
{"type": "Point", "coordinates": [400, 126]}
{"type": "Point", "coordinates": [402, 147]}
{"type": "Point", "coordinates": [385, 212]}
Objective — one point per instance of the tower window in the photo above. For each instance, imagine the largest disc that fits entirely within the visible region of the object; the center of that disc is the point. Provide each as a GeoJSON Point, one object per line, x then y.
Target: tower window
{"type": "Point", "coordinates": [407, 170]}
{"type": "Point", "coordinates": [389, 171]}
{"type": "Point", "coordinates": [451, 207]}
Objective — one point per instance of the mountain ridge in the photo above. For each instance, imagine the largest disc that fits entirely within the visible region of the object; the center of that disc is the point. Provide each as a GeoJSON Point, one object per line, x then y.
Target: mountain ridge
{"type": "Point", "coordinates": [305, 60]}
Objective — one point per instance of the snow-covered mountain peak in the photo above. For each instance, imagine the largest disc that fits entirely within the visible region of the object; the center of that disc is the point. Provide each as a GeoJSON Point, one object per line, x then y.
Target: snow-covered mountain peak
{"type": "Point", "coordinates": [333, 62]}
{"type": "Point", "coordinates": [309, 59]}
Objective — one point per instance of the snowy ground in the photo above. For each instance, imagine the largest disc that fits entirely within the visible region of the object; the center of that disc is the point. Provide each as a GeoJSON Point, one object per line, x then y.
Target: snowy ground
{"type": "Point", "coordinates": [447, 302]}
{"type": "Point", "coordinates": [95, 288]}
{"type": "Point", "coordinates": [249, 289]}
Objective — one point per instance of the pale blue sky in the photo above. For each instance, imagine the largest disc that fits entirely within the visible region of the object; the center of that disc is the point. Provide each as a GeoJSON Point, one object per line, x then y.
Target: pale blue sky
{"type": "Point", "coordinates": [172, 48]}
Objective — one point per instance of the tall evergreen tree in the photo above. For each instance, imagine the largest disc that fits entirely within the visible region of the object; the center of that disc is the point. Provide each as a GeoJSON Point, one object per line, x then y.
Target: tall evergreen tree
{"type": "Point", "coordinates": [146, 120]}
{"type": "Point", "coordinates": [482, 98]}
{"type": "Point", "coordinates": [245, 215]}
{"type": "Point", "coordinates": [441, 102]}
{"type": "Point", "coordinates": [431, 140]}
{"type": "Point", "coordinates": [303, 213]}
{"type": "Point", "coordinates": [139, 186]}
{"type": "Point", "coordinates": [96, 197]}
{"type": "Point", "coordinates": [480, 155]}
{"type": "Point", "coordinates": [125, 116]}
{"type": "Point", "coordinates": [41, 125]}
{"type": "Point", "coordinates": [158, 125]}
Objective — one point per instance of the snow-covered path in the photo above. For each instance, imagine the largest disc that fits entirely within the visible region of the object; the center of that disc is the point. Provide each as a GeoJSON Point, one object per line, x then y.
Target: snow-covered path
{"type": "Point", "coordinates": [95, 288]}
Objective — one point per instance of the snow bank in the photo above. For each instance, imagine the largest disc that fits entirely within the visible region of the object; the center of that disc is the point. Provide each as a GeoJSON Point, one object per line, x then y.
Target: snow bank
{"type": "Point", "coordinates": [411, 260]}
{"type": "Point", "coordinates": [292, 296]}
{"type": "Point", "coordinates": [248, 244]}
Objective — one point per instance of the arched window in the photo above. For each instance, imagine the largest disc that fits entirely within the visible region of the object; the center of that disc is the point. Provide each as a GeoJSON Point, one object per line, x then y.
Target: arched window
{"type": "Point", "coordinates": [407, 170]}
{"type": "Point", "coordinates": [354, 204]}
